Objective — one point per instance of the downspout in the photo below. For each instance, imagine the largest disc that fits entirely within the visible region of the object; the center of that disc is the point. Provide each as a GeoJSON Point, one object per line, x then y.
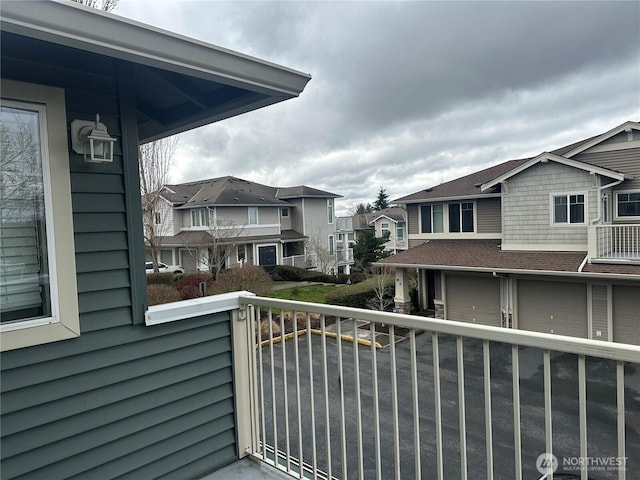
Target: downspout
{"type": "Point", "coordinates": [507, 314]}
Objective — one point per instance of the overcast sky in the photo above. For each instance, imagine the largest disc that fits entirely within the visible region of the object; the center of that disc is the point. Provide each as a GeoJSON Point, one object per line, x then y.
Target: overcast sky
{"type": "Point", "coordinates": [406, 95]}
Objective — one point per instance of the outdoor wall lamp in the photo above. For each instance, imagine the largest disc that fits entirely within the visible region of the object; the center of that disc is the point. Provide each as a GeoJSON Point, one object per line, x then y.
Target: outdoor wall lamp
{"type": "Point", "coordinates": [92, 140]}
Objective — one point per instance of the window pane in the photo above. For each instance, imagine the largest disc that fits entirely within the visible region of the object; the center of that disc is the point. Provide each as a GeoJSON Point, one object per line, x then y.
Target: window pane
{"type": "Point", "coordinates": [467, 217]}
{"type": "Point", "coordinates": [438, 218]}
{"type": "Point", "coordinates": [454, 217]}
{"type": "Point", "coordinates": [560, 209]}
{"type": "Point", "coordinates": [400, 232]}
{"type": "Point", "coordinates": [425, 213]}
{"type": "Point", "coordinates": [253, 216]}
{"type": "Point", "coordinates": [629, 204]}
{"type": "Point", "coordinates": [576, 209]}
{"type": "Point", "coordinates": [24, 271]}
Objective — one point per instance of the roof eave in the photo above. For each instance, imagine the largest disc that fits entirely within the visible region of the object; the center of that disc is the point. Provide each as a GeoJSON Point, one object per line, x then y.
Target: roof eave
{"type": "Point", "coordinates": [85, 28]}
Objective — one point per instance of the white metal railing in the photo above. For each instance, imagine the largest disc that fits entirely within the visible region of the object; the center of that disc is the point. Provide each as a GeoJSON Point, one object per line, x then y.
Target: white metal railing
{"type": "Point", "coordinates": [410, 397]}
{"type": "Point", "coordinates": [345, 255]}
{"type": "Point", "coordinates": [616, 242]}
{"type": "Point", "coordinates": [301, 261]}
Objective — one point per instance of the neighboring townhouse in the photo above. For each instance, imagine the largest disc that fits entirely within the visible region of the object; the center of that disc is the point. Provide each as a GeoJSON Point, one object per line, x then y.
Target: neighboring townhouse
{"type": "Point", "coordinates": [243, 222]}
{"type": "Point", "coordinates": [391, 221]}
{"type": "Point", "coordinates": [549, 244]}
{"type": "Point", "coordinates": [344, 244]}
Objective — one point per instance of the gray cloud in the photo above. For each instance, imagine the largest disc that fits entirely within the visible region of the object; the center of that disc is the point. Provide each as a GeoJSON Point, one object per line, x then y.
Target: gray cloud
{"type": "Point", "coordinates": [408, 94]}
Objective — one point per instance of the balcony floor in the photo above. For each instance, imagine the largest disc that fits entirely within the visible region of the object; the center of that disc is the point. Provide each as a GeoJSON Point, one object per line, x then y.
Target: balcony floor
{"type": "Point", "coordinates": [247, 469]}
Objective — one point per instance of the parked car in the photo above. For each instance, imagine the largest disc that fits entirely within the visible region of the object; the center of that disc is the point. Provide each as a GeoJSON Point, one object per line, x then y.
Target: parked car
{"type": "Point", "coordinates": [163, 267]}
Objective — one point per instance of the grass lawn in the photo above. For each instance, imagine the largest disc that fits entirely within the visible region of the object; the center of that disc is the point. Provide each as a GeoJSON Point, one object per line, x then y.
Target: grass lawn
{"type": "Point", "coordinates": [312, 293]}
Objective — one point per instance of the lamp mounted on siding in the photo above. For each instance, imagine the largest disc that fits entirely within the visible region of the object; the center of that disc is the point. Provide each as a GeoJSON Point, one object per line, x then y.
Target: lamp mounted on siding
{"type": "Point", "coordinates": [92, 139]}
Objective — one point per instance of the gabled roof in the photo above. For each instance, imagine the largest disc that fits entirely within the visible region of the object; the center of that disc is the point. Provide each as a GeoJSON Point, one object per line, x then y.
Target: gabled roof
{"type": "Point", "coordinates": [550, 157]}
{"type": "Point", "coordinates": [593, 141]}
{"type": "Point", "coordinates": [395, 214]}
{"type": "Point", "coordinates": [233, 191]}
{"type": "Point", "coordinates": [178, 83]}
{"type": "Point", "coordinates": [486, 182]}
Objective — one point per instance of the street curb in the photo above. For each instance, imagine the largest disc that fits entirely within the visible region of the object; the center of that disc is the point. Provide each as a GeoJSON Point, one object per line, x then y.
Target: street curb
{"type": "Point", "coordinates": [344, 337]}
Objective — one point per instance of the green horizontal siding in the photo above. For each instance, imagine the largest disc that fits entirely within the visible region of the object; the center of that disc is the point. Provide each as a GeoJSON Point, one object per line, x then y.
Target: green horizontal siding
{"type": "Point", "coordinates": [122, 400]}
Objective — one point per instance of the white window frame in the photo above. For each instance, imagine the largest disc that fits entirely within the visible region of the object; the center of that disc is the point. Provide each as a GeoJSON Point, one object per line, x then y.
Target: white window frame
{"type": "Point", "coordinates": [332, 245]}
{"type": "Point", "coordinates": [567, 195]}
{"type": "Point", "coordinates": [445, 218]}
{"type": "Point", "coordinates": [249, 210]}
{"type": "Point", "coordinates": [64, 322]}
{"type": "Point", "coordinates": [200, 217]}
{"type": "Point", "coordinates": [284, 212]}
{"type": "Point", "coordinates": [616, 200]}
{"type": "Point", "coordinates": [460, 219]}
{"type": "Point", "coordinates": [330, 212]}
{"type": "Point", "coordinates": [400, 232]}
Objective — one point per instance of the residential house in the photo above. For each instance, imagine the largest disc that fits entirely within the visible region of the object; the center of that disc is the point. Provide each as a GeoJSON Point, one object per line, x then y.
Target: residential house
{"type": "Point", "coordinates": [88, 390]}
{"type": "Point", "coordinates": [549, 243]}
{"type": "Point", "coordinates": [249, 223]}
{"type": "Point", "coordinates": [391, 221]}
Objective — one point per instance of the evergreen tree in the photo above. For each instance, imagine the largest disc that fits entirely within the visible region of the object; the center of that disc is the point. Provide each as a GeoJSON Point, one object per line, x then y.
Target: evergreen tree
{"type": "Point", "coordinates": [361, 208]}
{"type": "Point", "coordinates": [382, 201]}
{"type": "Point", "coordinates": [369, 248]}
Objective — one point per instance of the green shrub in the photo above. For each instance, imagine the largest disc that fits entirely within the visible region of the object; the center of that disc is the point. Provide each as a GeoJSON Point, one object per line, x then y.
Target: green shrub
{"type": "Point", "coordinates": [250, 278]}
{"type": "Point", "coordinates": [166, 278]}
{"type": "Point", "coordinates": [159, 293]}
{"type": "Point", "coordinates": [356, 295]}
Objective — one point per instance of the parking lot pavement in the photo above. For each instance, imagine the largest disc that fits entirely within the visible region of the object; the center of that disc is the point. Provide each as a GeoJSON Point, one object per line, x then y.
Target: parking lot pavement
{"type": "Point", "coordinates": [601, 408]}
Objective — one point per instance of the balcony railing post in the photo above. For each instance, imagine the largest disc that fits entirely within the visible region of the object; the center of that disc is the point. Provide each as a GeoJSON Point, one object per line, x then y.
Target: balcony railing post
{"type": "Point", "coordinates": [244, 379]}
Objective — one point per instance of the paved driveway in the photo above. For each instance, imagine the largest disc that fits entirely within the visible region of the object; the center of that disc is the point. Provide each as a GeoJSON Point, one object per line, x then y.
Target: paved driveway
{"type": "Point", "coordinates": [602, 437]}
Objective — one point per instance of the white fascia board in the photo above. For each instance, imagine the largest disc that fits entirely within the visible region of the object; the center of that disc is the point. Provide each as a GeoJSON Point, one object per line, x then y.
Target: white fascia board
{"type": "Point", "coordinates": [89, 29]}
{"type": "Point", "coordinates": [449, 199]}
{"type": "Point", "coordinates": [545, 157]}
{"type": "Point", "coordinates": [380, 217]}
{"type": "Point", "coordinates": [603, 137]}
{"type": "Point", "coordinates": [196, 307]}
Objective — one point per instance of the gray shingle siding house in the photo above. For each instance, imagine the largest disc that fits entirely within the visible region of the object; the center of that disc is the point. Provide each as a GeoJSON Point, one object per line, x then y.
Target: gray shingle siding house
{"type": "Point", "coordinates": [254, 224]}
{"type": "Point", "coordinates": [87, 390]}
{"type": "Point", "coordinates": [550, 243]}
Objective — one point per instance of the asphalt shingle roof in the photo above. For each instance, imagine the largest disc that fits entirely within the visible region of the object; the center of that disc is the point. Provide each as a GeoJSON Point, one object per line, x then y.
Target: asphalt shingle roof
{"type": "Point", "coordinates": [487, 255]}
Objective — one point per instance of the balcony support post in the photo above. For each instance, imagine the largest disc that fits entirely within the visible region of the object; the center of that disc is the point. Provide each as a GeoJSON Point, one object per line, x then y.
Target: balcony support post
{"type": "Point", "coordinates": [402, 300]}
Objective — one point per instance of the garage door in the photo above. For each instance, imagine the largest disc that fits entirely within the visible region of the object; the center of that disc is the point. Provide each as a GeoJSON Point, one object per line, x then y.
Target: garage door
{"type": "Point", "coordinates": [188, 261]}
{"type": "Point", "coordinates": [626, 316]}
{"type": "Point", "coordinates": [473, 299]}
{"type": "Point", "coordinates": [553, 307]}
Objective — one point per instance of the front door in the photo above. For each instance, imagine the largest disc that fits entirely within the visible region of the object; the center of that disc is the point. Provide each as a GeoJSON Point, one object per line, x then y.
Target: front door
{"type": "Point", "coordinates": [267, 255]}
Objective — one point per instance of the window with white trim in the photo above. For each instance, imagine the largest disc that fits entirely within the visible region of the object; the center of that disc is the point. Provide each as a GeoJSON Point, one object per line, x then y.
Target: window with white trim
{"type": "Point", "coordinates": [461, 217]}
{"type": "Point", "coordinates": [384, 228]}
{"type": "Point", "coordinates": [400, 232]}
{"type": "Point", "coordinates": [253, 215]}
{"type": "Point", "coordinates": [38, 293]}
{"type": "Point", "coordinates": [568, 209]}
{"type": "Point", "coordinates": [199, 217]}
{"type": "Point", "coordinates": [330, 210]}
{"type": "Point", "coordinates": [628, 205]}
{"type": "Point", "coordinates": [284, 212]}
{"type": "Point", "coordinates": [332, 249]}
{"type": "Point", "coordinates": [158, 218]}
{"type": "Point", "coordinates": [432, 218]}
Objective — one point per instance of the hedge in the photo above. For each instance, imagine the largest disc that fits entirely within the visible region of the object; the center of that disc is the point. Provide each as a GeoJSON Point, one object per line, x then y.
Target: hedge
{"type": "Point", "coordinates": [166, 278]}
{"type": "Point", "coordinates": [356, 295]}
